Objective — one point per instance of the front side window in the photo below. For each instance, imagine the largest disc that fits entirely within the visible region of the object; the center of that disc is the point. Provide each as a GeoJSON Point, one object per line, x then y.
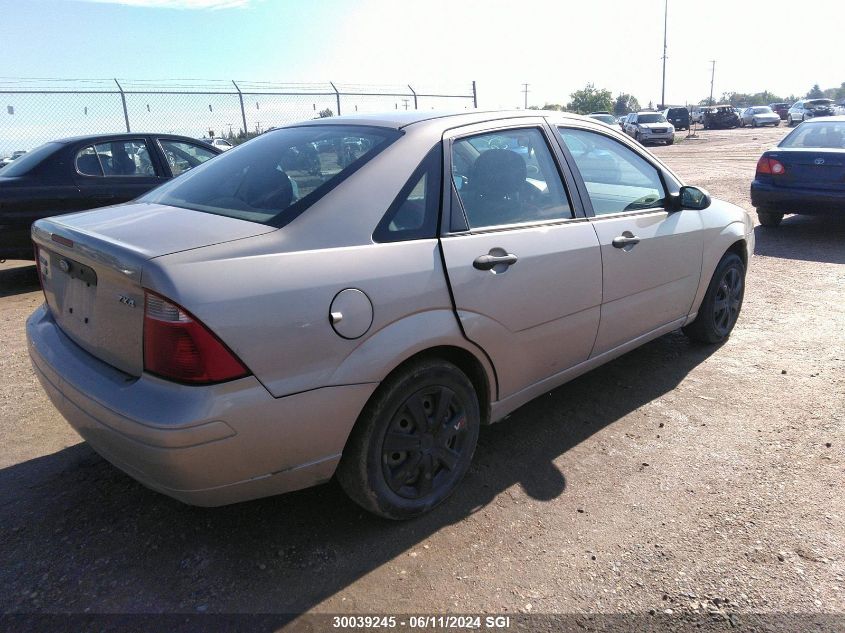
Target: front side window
{"type": "Point", "coordinates": [275, 176]}
{"type": "Point", "coordinates": [651, 118]}
{"type": "Point", "coordinates": [508, 177]}
{"type": "Point", "coordinates": [617, 178]}
{"type": "Point", "coordinates": [182, 156]}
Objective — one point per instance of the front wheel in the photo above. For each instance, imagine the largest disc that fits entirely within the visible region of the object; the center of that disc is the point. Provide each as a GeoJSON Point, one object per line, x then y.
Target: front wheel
{"type": "Point", "coordinates": [414, 441]}
{"type": "Point", "coordinates": [722, 303]}
{"type": "Point", "coordinates": [789, 121]}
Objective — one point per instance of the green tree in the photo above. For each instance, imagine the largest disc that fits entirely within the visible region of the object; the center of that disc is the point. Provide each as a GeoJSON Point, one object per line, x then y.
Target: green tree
{"type": "Point", "coordinates": [590, 99]}
{"type": "Point", "coordinates": [815, 92]}
{"type": "Point", "coordinates": [624, 104]}
{"type": "Point", "coordinates": [324, 114]}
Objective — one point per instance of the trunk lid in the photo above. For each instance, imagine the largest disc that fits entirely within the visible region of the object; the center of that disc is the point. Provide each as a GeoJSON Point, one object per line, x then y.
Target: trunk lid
{"type": "Point", "coordinates": [91, 264]}
{"type": "Point", "coordinates": [811, 168]}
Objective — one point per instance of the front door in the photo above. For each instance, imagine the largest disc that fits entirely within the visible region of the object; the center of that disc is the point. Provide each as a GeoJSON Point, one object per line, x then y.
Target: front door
{"type": "Point", "coordinates": [651, 257]}
{"type": "Point", "coordinates": [524, 268]}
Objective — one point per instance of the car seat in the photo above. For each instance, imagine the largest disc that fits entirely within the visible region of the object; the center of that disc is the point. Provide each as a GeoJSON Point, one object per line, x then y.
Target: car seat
{"type": "Point", "coordinates": [265, 186]}
{"type": "Point", "coordinates": [497, 191]}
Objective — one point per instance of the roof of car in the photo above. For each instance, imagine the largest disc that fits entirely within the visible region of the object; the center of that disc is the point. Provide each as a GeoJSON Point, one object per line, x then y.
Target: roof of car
{"type": "Point", "coordinates": [449, 118]}
{"type": "Point", "coordinates": [124, 136]}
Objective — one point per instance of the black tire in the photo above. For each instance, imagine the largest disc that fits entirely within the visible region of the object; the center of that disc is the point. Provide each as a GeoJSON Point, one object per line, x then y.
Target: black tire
{"type": "Point", "coordinates": [670, 141]}
{"type": "Point", "coordinates": [430, 412]}
{"type": "Point", "coordinates": [769, 218]}
{"type": "Point", "coordinates": [722, 303]}
{"type": "Point", "coordinates": [753, 122]}
{"type": "Point", "coordinates": [789, 122]}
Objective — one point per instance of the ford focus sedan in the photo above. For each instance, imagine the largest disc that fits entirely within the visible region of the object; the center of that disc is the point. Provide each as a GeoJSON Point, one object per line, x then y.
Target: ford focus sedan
{"type": "Point", "coordinates": [258, 326]}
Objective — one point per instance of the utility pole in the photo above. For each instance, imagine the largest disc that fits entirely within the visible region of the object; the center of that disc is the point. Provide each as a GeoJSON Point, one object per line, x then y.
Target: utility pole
{"type": "Point", "coordinates": [525, 90]}
{"type": "Point", "coordinates": [712, 77]}
{"type": "Point", "coordinates": [665, 25]}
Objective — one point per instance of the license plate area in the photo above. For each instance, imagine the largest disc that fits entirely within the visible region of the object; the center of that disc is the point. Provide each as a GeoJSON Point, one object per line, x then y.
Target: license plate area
{"type": "Point", "coordinates": [76, 289]}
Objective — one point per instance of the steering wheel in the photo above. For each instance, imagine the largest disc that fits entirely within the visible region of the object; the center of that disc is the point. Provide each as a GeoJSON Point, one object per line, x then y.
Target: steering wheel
{"type": "Point", "coordinates": [642, 203]}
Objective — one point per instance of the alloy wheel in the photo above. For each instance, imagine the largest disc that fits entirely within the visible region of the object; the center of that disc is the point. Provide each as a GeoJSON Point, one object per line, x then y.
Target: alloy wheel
{"type": "Point", "coordinates": [728, 301]}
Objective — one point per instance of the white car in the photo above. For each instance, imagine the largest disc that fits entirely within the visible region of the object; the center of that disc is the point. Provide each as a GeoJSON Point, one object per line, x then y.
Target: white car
{"type": "Point", "coordinates": [650, 127]}
{"type": "Point", "coordinates": [220, 143]}
{"type": "Point", "coordinates": [759, 115]}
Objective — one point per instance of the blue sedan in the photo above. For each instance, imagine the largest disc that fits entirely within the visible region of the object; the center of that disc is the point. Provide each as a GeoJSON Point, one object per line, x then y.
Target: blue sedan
{"type": "Point", "coordinates": [804, 174]}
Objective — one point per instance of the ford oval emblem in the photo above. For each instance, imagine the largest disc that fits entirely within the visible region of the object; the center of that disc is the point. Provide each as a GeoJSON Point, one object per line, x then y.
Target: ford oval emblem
{"type": "Point", "coordinates": [819, 161]}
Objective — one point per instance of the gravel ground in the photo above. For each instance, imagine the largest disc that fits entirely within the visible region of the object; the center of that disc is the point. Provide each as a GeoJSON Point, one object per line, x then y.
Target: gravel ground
{"type": "Point", "coordinates": [702, 480]}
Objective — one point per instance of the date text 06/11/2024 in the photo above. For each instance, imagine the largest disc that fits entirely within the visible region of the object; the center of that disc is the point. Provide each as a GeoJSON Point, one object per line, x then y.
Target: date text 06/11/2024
{"type": "Point", "coordinates": [421, 622]}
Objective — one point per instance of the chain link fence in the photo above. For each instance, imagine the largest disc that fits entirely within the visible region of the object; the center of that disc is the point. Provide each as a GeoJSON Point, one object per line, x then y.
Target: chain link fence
{"type": "Point", "coordinates": [36, 111]}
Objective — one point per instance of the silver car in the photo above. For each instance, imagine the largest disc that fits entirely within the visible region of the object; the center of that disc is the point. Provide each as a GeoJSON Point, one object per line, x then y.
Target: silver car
{"type": "Point", "coordinates": [254, 327]}
{"type": "Point", "coordinates": [650, 127]}
{"type": "Point", "coordinates": [757, 116]}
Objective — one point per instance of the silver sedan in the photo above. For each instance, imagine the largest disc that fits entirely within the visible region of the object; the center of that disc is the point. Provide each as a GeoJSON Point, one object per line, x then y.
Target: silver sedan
{"type": "Point", "coordinates": [757, 116]}
{"type": "Point", "coordinates": [355, 297]}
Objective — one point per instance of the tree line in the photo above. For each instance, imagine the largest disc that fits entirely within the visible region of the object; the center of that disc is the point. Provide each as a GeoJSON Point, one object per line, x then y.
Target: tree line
{"type": "Point", "coordinates": [592, 99]}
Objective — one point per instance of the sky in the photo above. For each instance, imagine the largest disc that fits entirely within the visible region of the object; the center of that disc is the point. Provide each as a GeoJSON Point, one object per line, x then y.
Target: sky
{"type": "Point", "coordinates": [553, 45]}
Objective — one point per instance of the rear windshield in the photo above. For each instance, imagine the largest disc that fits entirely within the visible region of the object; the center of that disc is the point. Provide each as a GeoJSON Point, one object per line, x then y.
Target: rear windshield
{"type": "Point", "coordinates": [762, 110]}
{"type": "Point", "coordinates": [273, 178]}
{"type": "Point", "coordinates": [817, 134]}
{"type": "Point", "coordinates": [818, 102]}
{"type": "Point", "coordinates": [651, 118]}
{"type": "Point", "coordinates": [22, 165]}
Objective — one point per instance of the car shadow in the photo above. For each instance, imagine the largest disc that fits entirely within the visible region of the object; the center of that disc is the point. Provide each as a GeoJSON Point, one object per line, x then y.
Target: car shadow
{"type": "Point", "coordinates": [18, 280]}
{"type": "Point", "coordinates": [805, 237]}
{"type": "Point", "coordinates": [81, 536]}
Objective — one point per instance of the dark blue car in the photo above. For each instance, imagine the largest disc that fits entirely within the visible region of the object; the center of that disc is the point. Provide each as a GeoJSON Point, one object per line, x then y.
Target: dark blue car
{"type": "Point", "coordinates": [804, 174]}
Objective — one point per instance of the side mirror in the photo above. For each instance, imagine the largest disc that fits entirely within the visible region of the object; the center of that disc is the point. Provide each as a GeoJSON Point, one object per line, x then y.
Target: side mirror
{"type": "Point", "coordinates": [689, 198]}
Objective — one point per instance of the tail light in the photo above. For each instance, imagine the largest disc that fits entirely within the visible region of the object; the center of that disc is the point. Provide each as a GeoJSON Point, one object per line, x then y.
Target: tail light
{"type": "Point", "coordinates": [770, 166]}
{"type": "Point", "coordinates": [180, 348]}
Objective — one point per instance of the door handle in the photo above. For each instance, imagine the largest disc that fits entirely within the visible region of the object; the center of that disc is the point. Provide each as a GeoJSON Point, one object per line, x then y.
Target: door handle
{"type": "Point", "coordinates": [488, 262]}
{"type": "Point", "coordinates": [625, 240]}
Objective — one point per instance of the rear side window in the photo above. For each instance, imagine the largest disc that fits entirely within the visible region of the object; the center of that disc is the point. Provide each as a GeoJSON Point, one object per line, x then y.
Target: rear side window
{"type": "Point", "coordinates": [508, 177]}
{"type": "Point", "coordinates": [274, 177]}
{"type": "Point", "coordinates": [115, 158]}
{"type": "Point", "coordinates": [87, 162]}
{"type": "Point", "coordinates": [414, 213]}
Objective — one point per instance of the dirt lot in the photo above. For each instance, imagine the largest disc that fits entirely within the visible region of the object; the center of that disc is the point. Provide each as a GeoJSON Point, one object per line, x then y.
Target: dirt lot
{"type": "Point", "coordinates": [705, 481]}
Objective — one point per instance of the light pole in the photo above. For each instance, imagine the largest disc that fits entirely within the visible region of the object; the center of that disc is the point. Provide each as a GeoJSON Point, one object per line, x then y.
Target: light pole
{"type": "Point", "coordinates": [712, 77]}
{"type": "Point", "coordinates": [665, 25]}
{"type": "Point", "coordinates": [525, 90]}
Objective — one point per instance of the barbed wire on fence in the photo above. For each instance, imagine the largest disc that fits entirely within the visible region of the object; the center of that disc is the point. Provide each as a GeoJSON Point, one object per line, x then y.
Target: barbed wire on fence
{"type": "Point", "coordinates": [37, 110]}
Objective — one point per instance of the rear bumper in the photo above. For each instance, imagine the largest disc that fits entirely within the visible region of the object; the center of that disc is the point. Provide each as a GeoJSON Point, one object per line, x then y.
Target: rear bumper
{"type": "Point", "coordinates": [767, 197]}
{"type": "Point", "coordinates": [207, 446]}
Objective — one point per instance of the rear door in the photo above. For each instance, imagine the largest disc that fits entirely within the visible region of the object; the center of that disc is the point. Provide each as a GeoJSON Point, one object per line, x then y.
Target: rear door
{"type": "Point", "coordinates": [117, 170]}
{"type": "Point", "coordinates": [651, 257]}
{"type": "Point", "coordinates": [523, 261]}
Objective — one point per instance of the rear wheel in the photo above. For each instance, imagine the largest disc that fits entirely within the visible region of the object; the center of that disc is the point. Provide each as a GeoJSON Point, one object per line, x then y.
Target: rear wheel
{"type": "Point", "coordinates": [769, 218]}
{"type": "Point", "coordinates": [413, 442]}
{"type": "Point", "coordinates": [722, 303]}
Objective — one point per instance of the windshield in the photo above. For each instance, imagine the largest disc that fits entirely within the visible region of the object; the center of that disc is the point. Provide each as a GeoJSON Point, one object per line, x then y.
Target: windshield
{"type": "Point", "coordinates": [819, 102]}
{"type": "Point", "coordinates": [274, 177]}
{"type": "Point", "coordinates": [651, 118]}
{"type": "Point", "coordinates": [817, 134]}
{"type": "Point", "coordinates": [762, 110]}
{"type": "Point", "coordinates": [27, 161]}
{"type": "Point", "coordinates": [605, 118]}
